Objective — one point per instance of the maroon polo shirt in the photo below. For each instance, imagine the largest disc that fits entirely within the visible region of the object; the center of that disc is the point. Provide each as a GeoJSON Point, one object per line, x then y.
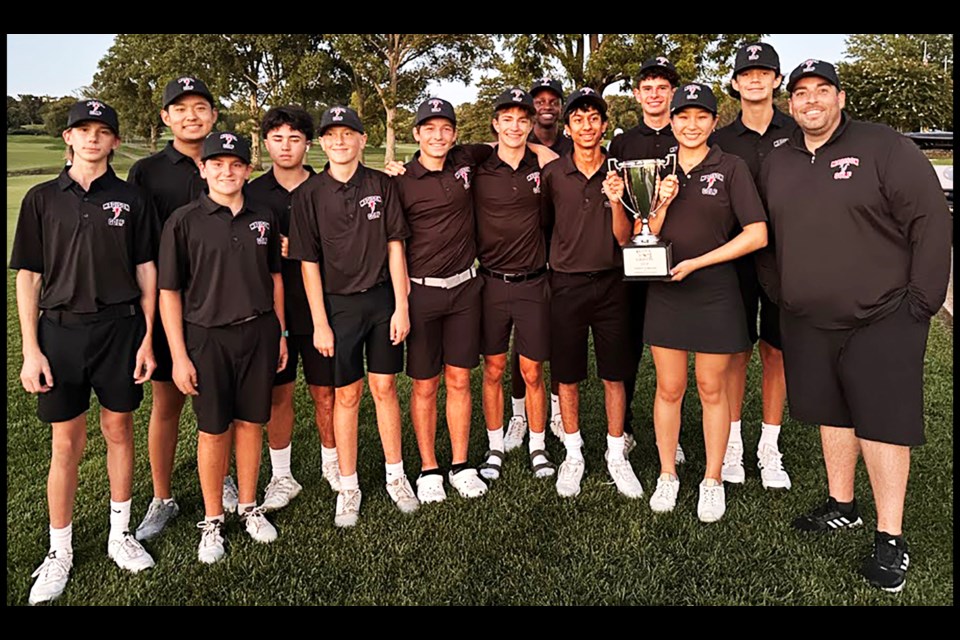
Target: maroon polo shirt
{"type": "Point", "coordinates": [715, 197]}
{"type": "Point", "coordinates": [439, 209]}
{"type": "Point", "coordinates": [643, 142]}
{"type": "Point", "coordinates": [169, 178]}
{"type": "Point", "coordinates": [345, 227]}
{"type": "Point", "coordinates": [742, 141]}
{"type": "Point", "coordinates": [509, 225]}
{"type": "Point", "coordinates": [562, 145]}
{"type": "Point", "coordinates": [87, 244]}
{"type": "Point", "coordinates": [579, 214]}
{"type": "Point", "coordinates": [221, 263]}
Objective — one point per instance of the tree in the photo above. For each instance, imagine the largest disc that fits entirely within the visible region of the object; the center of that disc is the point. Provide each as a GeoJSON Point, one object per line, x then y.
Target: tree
{"type": "Point", "coordinates": [31, 106]}
{"type": "Point", "coordinates": [54, 115]}
{"type": "Point", "coordinates": [902, 80]}
{"type": "Point", "coordinates": [16, 117]}
{"type": "Point", "coordinates": [398, 66]}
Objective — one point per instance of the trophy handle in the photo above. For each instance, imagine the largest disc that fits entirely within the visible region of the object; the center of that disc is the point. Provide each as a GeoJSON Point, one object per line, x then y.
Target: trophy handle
{"type": "Point", "coordinates": [613, 165]}
{"type": "Point", "coordinates": [671, 157]}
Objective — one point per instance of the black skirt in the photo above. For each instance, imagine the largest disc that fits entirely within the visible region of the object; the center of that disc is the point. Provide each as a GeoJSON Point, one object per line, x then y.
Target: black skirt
{"type": "Point", "coordinates": [703, 313]}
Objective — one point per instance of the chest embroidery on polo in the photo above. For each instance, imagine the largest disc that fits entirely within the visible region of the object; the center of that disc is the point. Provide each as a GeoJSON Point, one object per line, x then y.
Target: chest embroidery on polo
{"type": "Point", "coordinates": [673, 149]}
{"type": "Point", "coordinates": [779, 141]}
{"type": "Point", "coordinates": [843, 167]}
{"type": "Point", "coordinates": [535, 179]}
{"type": "Point", "coordinates": [711, 179]}
{"type": "Point", "coordinates": [117, 208]}
{"type": "Point", "coordinates": [262, 228]}
{"type": "Point", "coordinates": [463, 173]}
{"type": "Point", "coordinates": [371, 202]}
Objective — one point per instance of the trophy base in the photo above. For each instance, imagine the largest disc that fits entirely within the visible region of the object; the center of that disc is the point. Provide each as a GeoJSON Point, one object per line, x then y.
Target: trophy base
{"type": "Point", "coordinates": [647, 262]}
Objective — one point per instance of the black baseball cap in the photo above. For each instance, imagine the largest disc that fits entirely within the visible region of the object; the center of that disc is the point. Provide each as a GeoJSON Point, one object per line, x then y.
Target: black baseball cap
{"type": "Point", "coordinates": [340, 116]}
{"type": "Point", "coordinates": [225, 143]}
{"type": "Point", "coordinates": [547, 84]}
{"type": "Point", "coordinates": [515, 97]}
{"type": "Point", "coordinates": [813, 67]}
{"type": "Point", "coordinates": [756, 55]}
{"type": "Point", "coordinates": [694, 95]}
{"type": "Point", "coordinates": [185, 85]}
{"type": "Point", "coordinates": [93, 110]}
{"type": "Point", "coordinates": [587, 96]}
{"type": "Point", "coordinates": [662, 66]}
{"type": "Point", "coordinates": [435, 108]}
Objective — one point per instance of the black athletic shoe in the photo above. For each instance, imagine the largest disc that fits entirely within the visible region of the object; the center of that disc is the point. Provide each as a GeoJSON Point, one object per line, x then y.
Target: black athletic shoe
{"type": "Point", "coordinates": [829, 516]}
{"type": "Point", "coordinates": [887, 567]}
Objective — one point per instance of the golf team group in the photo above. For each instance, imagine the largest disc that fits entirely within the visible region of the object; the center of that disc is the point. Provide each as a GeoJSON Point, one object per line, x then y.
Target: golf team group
{"type": "Point", "coordinates": [825, 239]}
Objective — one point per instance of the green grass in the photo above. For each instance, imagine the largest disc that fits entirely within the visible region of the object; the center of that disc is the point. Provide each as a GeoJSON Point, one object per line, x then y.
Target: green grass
{"type": "Point", "coordinates": [520, 544]}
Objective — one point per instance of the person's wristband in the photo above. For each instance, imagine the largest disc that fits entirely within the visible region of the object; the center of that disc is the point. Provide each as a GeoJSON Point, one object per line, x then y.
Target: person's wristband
{"type": "Point", "coordinates": [285, 333]}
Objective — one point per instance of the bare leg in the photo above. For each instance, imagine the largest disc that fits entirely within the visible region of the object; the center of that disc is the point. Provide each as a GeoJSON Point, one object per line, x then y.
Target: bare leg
{"type": "Point", "coordinates": [280, 427]}
{"type": "Point", "coordinates": [423, 413]}
{"type": "Point", "coordinates": [212, 450]}
{"type": "Point", "coordinates": [712, 381]}
{"type": "Point", "coordinates": [736, 383]}
{"type": "Point", "coordinates": [457, 380]}
{"type": "Point", "coordinates": [69, 440]}
{"type": "Point", "coordinates": [493, 367]}
{"type": "Point", "coordinates": [570, 407]}
{"type": "Point", "coordinates": [323, 413]}
{"type": "Point", "coordinates": [162, 435]}
{"type": "Point", "coordinates": [840, 452]}
{"type": "Point", "coordinates": [671, 366]}
{"type": "Point", "coordinates": [888, 466]}
{"type": "Point", "coordinates": [383, 388]}
{"type": "Point", "coordinates": [117, 429]}
{"type": "Point", "coordinates": [774, 383]}
{"type": "Point", "coordinates": [615, 400]}
{"type": "Point", "coordinates": [536, 394]}
{"type": "Point", "coordinates": [249, 440]}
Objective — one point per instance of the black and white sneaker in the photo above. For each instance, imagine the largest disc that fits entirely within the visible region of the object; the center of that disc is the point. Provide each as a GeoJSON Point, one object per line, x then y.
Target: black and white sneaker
{"type": "Point", "coordinates": [829, 516]}
{"type": "Point", "coordinates": [887, 567]}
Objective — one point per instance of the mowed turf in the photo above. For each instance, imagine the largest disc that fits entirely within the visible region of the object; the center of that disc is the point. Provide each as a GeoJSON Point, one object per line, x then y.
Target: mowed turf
{"type": "Point", "coordinates": [519, 544]}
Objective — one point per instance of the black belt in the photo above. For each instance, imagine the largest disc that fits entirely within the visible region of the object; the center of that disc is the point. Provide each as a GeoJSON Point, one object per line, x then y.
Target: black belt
{"type": "Point", "coordinates": [112, 312]}
{"type": "Point", "coordinates": [514, 277]}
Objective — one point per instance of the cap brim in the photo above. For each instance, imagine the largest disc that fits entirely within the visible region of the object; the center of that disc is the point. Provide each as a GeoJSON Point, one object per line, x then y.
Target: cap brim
{"type": "Point", "coordinates": [116, 130]}
{"type": "Point", "coordinates": [759, 65]}
{"type": "Point", "coordinates": [324, 128]}
{"type": "Point", "coordinates": [691, 105]}
{"type": "Point", "coordinates": [204, 95]}
{"type": "Point", "coordinates": [793, 83]}
{"type": "Point", "coordinates": [452, 121]}
{"type": "Point", "coordinates": [218, 154]}
{"type": "Point", "coordinates": [529, 108]}
{"type": "Point", "coordinates": [593, 101]}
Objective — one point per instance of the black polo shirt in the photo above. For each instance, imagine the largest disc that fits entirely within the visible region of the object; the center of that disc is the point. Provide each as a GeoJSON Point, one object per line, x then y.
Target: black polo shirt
{"type": "Point", "coordinates": [738, 139]}
{"type": "Point", "coordinates": [857, 227]}
{"type": "Point", "coordinates": [509, 231]}
{"type": "Point", "coordinates": [345, 227]}
{"type": "Point", "coordinates": [220, 262]}
{"type": "Point", "coordinates": [87, 244]}
{"type": "Point", "coordinates": [716, 198]}
{"type": "Point", "coordinates": [169, 178]}
{"type": "Point", "coordinates": [271, 194]}
{"type": "Point", "coordinates": [643, 142]}
{"type": "Point", "coordinates": [579, 213]}
{"type": "Point", "coordinates": [439, 209]}
{"type": "Point", "coordinates": [561, 146]}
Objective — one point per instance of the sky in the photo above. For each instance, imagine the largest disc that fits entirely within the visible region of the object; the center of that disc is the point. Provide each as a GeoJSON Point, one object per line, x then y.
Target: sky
{"type": "Point", "coordinates": [37, 64]}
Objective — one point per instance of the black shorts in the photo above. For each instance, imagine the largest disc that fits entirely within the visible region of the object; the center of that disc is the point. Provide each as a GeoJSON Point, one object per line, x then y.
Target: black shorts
{"type": "Point", "coordinates": [317, 370]}
{"type": "Point", "coordinates": [869, 378]}
{"type": "Point", "coordinates": [755, 300]}
{"type": "Point", "coordinates": [161, 351]}
{"type": "Point", "coordinates": [444, 328]}
{"type": "Point", "coordinates": [589, 301]}
{"type": "Point", "coordinates": [362, 320]}
{"type": "Point", "coordinates": [99, 355]}
{"type": "Point", "coordinates": [701, 314]}
{"type": "Point", "coordinates": [523, 305]}
{"type": "Point", "coordinates": [236, 365]}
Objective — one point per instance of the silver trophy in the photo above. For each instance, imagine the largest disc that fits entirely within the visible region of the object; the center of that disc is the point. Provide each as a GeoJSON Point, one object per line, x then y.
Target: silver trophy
{"type": "Point", "coordinates": [645, 257]}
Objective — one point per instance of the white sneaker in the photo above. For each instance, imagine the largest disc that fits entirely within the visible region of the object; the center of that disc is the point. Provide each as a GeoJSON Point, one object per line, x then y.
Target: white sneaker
{"type": "Point", "coordinates": [468, 483]}
{"type": "Point", "coordinates": [556, 427]}
{"type": "Point", "coordinates": [664, 499]}
{"type": "Point", "coordinates": [231, 497]}
{"type": "Point", "coordinates": [516, 429]}
{"type": "Point", "coordinates": [331, 473]}
{"type": "Point", "coordinates": [430, 488]}
{"type": "Point", "coordinates": [348, 507]}
{"type": "Point", "coordinates": [280, 491]}
{"type": "Point", "coordinates": [623, 476]}
{"type": "Point", "coordinates": [569, 477]}
{"type": "Point", "coordinates": [629, 443]}
{"type": "Point", "coordinates": [51, 577]}
{"type": "Point", "coordinates": [211, 541]}
{"type": "Point", "coordinates": [128, 553]}
{"type": "Point", "coordinates": [680, 458]}
{"type": "Point", "coordinates": [158, 515]}
{"type": "Point", "coordinates": [402, 495]}
{"type": "Point", "coordinates": [713, 502]}
{"type": "Point", "coordinates": [733, 464]}
{"type": "Point", "coordinates": [772, 473]}
{"type": "Point", "coordinates": [257, 525]}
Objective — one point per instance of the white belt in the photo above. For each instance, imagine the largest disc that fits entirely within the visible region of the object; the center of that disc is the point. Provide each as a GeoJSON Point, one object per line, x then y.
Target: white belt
{"type": "Point", "coordinates": [447, 283]}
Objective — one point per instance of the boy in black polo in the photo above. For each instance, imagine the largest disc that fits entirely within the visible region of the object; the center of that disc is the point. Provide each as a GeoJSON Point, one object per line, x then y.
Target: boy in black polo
{"type": "Point", "coordinates": [287, 132]}
{"type": "Point", "coordinates": [221, 299]}
{"type": "Point", "coordinates": [84, 254]}
{"type": "Point", "coordinates": [171, 178]}
{"type": "Point", "coordinates": [347, 228]}
{"type": "Point", "coordinates": [589, 225]}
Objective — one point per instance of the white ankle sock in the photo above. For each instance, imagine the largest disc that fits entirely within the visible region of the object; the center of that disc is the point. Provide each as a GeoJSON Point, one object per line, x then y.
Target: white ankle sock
{"type": "Point", "coordinates": [769, 434]}
{"type": "Point", "coordinates": [495, 439]}
{"type": "Point", "coordinates": [280, 461]}
{"type": "Point", "coordinates": [328, 455]}
{"type": "Point", "coordinates": [615, 446]}
{"type": "Point", "coordinates": [62, 539]}
{"type": "Point", "coordinates": [242, 507]}
{"type": "Point", "coordinates": [349, 483]}
{"type": "Point", "coordinates": [735, 433]}
{"type": "Point", "coordinates": [538, 441]}
{"type": "Point", "coordinates": [573, 442]}
{"type": "Point", "coordinates": [554, 405]}
{"type": "Point", "coordinates": [519, 407]}
{"type": "Point", "coordinates": [166, 501]}
{"type": "Point", "coordinates": [394, 471]}
{"type": "Point", "coordinates": [119, 518]}
{"type": "Point", "coordinates": [218, 518]}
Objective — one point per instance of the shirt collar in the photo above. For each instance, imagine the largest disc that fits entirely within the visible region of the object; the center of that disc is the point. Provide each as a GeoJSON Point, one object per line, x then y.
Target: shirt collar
{"type": "Point", "coordinates": [779, 121]}
{"type": "Point", "coordinates": [797, 139]}
{"type": "Point", "coordinates": [649, 131]}
{"type": "Point", "coordinates": [416, 170]}
{"type": "Point", "coordinates": [355, 181]}
{"type": "Point", "coordinates": [175, 156]}
{"type": "Point", "coordinates": [64, 181]}
{"type": "Point", "coordinates": [529, 159]}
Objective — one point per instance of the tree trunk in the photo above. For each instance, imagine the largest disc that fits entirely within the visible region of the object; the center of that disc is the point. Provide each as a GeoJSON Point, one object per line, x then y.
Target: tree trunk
{"type": "Point", "coordinates": [154, 135]}
{"type": "Point", "coordinates": [255, 142]}
{"type": "Point", "coordinates": [391, 135]}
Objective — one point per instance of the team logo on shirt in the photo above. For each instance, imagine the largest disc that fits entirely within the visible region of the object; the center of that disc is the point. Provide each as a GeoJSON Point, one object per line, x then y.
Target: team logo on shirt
{"type": "Point", "coordinates": [673, 149]}
{"type": "Point", "coordinates": [372, 202]}
{"type": "Point", "coordinates": [186, 83]}
{"type": "Point", "coordinates": [711, 179]}
{"type": "Point", "coordinates": [337, 113]}
{"type": "Point", "coordinates": [754, 51]}
{"type": "Point", "coordinates": [810, 65]}
{"type": "Point", "coordinates": [261, 227]}
{"type": "Point", "coordinates": [463, 173]}
{"type": "Point", "coordinates": [693, 90]}
{"type": "Point", "coordinates": [117, 208]}
{"type": "Point", "coordinates": [843, 166]}
{"type": "Point", "coordinates": [95, 108]}
{"type": "Point", "coordinates": [780, 141]}
{"type": "Point", "coordinates": [435, 105]}
{"type": "Point", "coordinates": [663, 61]}
{"type": "Point", "coordinates": [228, 140]}
{"type": "Point", "coordinates": [535, 179]}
